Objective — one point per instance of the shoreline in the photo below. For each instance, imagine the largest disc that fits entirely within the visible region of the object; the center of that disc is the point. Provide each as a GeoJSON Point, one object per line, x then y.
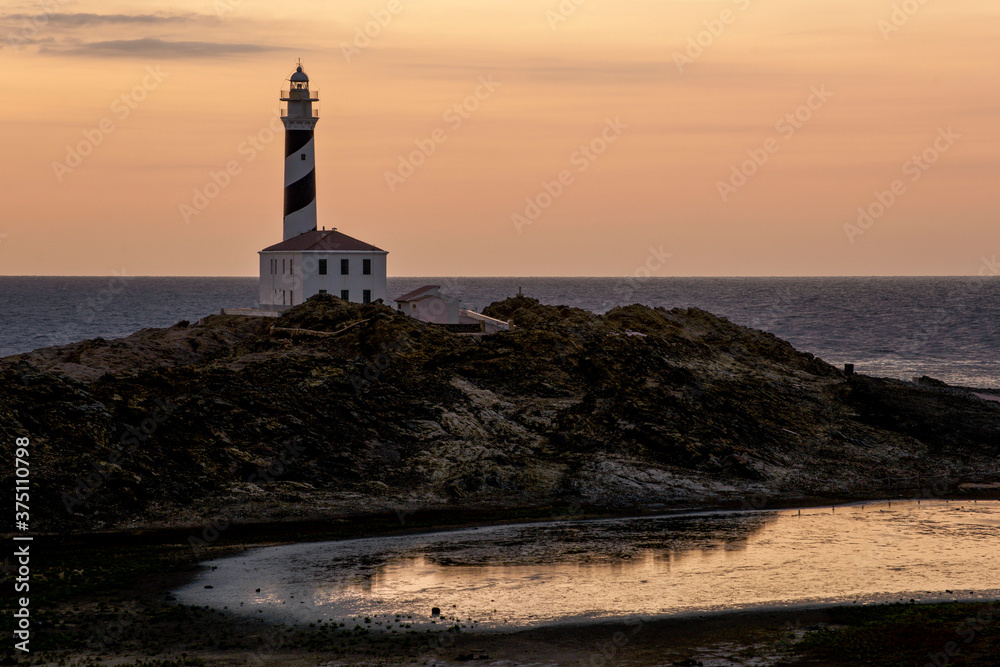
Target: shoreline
{"type": "Point", "coordinates": [164, 635]}
{"type": "Point", "coordinates": [339, 527]}
{"type": "Point", "coordinates": [134, 587]}
{"type": "Point", "coordinates": [583, 624]}
{"type": "Point", "coordinates": [386, 546]}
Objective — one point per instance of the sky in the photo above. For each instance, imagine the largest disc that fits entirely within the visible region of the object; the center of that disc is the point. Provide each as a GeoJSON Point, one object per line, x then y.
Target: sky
{"type": "Point", "coordinates": [507, 137]}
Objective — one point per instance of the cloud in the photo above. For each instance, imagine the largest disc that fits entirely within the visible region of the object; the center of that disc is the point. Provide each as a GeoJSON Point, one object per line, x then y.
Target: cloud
{"type": "Point", "coordinates": [82, 19]}
{"type": "Point", "coordinates": [158, 48]}
{"type": "Point", "coordinates": [21, 30]}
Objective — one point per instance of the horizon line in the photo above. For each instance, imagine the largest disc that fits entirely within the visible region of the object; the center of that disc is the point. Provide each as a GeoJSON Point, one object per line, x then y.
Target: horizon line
{"type": "Point", "coordinates": [589, 277]}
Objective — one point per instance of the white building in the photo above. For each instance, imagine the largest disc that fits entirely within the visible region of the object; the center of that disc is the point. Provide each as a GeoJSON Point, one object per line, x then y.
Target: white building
{"type": "Point", "coordinates": [321, 262]}
{"type": "Point", "coordinates": [312, 261]}
{"type": "Point", "coordinates": [428, 305]}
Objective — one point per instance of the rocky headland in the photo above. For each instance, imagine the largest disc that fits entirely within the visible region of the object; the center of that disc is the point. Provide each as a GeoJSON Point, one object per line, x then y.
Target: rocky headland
{"type": "Point", "coordinates": [337, 409]}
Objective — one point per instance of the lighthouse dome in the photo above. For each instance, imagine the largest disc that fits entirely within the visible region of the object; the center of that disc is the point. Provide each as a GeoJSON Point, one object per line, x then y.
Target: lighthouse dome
{"type": "Point", "coordinates": [299, 76]}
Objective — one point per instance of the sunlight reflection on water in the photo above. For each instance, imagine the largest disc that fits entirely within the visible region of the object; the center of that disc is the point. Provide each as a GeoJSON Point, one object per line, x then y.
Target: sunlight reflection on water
{"type": "Point", "coordinates": [525, 575]}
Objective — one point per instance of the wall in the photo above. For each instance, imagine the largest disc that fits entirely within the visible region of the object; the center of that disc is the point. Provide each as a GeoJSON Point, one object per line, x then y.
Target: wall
{"type": "Point", "coordinates": [304, 280]}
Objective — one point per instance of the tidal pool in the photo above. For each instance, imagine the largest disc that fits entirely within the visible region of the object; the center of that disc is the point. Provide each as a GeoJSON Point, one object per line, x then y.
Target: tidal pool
{"type": "Point", "coordinates": [578, 571]}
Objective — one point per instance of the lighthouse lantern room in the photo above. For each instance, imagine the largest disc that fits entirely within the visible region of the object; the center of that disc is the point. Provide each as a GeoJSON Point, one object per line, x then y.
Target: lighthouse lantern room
{"type": "Point", "coordinates": [310, 261]}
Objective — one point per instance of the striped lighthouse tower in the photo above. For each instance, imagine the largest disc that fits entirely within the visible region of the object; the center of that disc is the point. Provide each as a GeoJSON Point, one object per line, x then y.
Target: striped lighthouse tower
{"type": "Point", "coordinates": [300, 120]}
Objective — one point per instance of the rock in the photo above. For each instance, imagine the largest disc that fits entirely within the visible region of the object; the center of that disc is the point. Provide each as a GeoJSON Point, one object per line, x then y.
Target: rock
{"type": "Point", "coordinates": [474, 654]}
{"type": "Point", "coordinates": [226, 419]}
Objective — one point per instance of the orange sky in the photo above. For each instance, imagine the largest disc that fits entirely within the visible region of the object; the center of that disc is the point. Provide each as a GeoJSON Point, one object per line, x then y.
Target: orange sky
{"type": "Point", "coordinates": [221, 63]}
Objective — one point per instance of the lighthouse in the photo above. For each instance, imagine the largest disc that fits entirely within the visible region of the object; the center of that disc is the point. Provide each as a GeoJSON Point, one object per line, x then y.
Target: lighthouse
{"type": "Point", "coordinates": [299, 118]}
{"type": "Point", "coordinates": [311, 260]}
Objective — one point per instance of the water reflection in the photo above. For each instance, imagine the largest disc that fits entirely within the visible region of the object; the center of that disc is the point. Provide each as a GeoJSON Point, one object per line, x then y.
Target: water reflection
{"type": "Point", "coordinates": [532, 574]}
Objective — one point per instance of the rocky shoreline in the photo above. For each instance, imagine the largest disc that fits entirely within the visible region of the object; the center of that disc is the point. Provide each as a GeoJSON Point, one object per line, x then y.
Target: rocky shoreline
{"type": "Point", "coordinates": [227, 421]}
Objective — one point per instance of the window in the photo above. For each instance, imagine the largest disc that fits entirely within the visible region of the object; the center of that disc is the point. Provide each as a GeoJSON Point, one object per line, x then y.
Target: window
{"type": "Point", "coordinates": [345, 267]}
{"type": "Point", "coordinates": [367, 296]}
{"type": "Point", "coordinates": [291, 263]}
{"type": "Point", "coordinates": [291, 298]}
{"type": "Point", "coordinates": [322, 267]}
{"type": "Point", "coordinates": [303, 157]}
{"type": "Point", "coordinates": [345, 294]}
{"type": "Point", "coordinates": [282, 297]}
{"type": "Point", "coordinates": [282, 266]}
{"type": "Point", "coordinates": [366, 267]}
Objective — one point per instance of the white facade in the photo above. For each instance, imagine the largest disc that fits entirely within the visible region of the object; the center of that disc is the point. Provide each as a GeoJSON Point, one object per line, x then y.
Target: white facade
{"type": "Point", "coordinates": [288, 278]}
{"type": "Point", "coordinates": [432, 308]}
{"type": "Point", "coordinates": [427, 304]}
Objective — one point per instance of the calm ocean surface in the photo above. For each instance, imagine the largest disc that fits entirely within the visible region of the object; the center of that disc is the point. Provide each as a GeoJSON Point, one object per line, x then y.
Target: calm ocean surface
{"type": "Point", "coordinates": [948, 328]}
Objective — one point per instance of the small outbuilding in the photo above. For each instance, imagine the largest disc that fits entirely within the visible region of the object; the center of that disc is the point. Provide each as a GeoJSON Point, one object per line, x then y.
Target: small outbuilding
{"type": "Point", "coordinates": [427, 304]}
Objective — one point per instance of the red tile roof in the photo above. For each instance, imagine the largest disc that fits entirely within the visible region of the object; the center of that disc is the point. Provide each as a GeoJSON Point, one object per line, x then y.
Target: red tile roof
{"type": "Point", "coordinates": [329, 240]}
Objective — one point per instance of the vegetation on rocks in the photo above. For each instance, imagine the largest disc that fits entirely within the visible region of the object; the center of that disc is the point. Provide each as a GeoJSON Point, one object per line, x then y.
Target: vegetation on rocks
{"type": "Point", "coordinates": [336, 408]}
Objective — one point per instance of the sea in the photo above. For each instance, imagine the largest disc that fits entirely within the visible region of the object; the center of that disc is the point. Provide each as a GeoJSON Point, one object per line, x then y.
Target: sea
{"type": "Point", "coordinates": [946, 328]}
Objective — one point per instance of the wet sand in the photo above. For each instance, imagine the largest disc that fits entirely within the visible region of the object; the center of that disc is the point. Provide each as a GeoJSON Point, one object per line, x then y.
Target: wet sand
{"type": "Point", "coordinates": [115, 603]}
{"type": "Point", "coordinates": [516, 577]}
{"type": "Point", "coordinates": [745, 639]}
